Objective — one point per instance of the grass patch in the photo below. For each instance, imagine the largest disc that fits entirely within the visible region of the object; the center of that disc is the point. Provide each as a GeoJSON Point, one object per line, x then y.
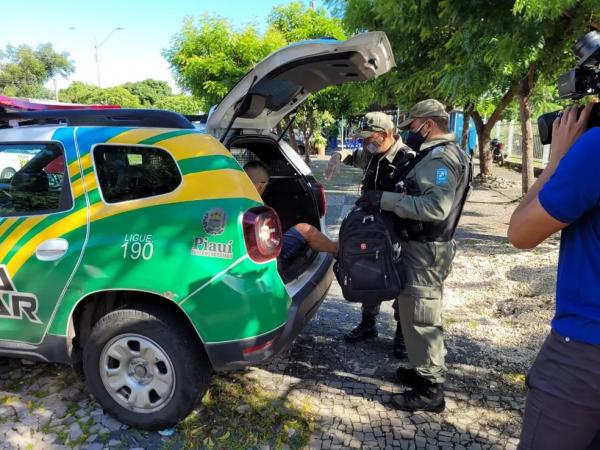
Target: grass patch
{"type": "Point", "coordinates": [63, 435]}
{"type": "Point", "coordinates": [15, 386]}
{"type": "Point", "coordinates": [237, 413]}
{"type": "Point", "coordinates": [513, 381]}
{"type": "Point", "coordinates": [514, 378]}
{"type": "Point", "coordinates": [46, 428]}
{"type": "Point", "coordinates": [32, 406]}
{"type": "Point", "coordinates": [41, 394]}
{"type": "Point", "coordinates": [473, 324]}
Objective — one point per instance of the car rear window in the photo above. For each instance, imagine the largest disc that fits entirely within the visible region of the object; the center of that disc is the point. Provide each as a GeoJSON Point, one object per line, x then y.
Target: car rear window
{"type": "Point", "coordinates": [33, 179]}
{"type": "Point", "coordinates": [129, 172]}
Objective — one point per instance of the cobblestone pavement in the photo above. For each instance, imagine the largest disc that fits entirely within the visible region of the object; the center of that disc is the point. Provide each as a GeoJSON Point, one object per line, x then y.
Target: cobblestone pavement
{"type": "Point", "coordinates": [46, 406]}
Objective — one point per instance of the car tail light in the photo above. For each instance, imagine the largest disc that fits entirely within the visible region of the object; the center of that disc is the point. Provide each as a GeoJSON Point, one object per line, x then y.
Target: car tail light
{"type": "Point", "coordinates": [323, 200]}
{"type": "Point", "coordinates": [262, 233]}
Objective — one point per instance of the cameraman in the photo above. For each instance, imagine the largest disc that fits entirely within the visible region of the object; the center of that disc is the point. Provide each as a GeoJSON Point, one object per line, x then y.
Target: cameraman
{"type": "Point", "coordinates": [563, 400]}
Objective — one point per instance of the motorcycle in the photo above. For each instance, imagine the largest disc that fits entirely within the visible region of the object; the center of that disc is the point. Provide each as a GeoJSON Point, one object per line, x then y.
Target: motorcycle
{"type": "Point", "coordinates": [498, 154]}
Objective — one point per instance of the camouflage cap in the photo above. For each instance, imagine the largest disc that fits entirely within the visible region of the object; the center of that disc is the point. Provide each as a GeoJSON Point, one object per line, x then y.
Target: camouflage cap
{"type": "Point", "coordinates": [425, 108]}
{"type": "Point", "coordinates": [374, 122]}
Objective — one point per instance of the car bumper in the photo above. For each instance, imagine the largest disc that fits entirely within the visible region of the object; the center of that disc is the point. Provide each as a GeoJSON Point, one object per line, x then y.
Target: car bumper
{"type": "Point", "coordinates": [307, 295]}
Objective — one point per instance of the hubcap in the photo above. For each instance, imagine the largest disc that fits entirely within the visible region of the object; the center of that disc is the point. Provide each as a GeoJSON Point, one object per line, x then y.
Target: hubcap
{"type": "Point", "coordinates": [137, 373]}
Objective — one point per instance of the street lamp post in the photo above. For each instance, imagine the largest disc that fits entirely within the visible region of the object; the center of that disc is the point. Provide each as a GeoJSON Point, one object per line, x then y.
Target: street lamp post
{"type": "Point", "coordinates": [97, 46]}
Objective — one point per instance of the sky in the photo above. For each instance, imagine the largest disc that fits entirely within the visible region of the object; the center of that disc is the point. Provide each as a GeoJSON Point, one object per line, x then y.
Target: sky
{"type": "Point", "coordinates": [131, 54]}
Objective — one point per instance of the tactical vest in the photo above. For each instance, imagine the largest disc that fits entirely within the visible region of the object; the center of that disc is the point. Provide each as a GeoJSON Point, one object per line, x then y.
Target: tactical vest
{"type": "Point", "coordinates": [440, 231]}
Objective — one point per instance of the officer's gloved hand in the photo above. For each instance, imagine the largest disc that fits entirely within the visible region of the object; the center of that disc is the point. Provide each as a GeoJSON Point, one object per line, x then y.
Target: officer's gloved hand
{"type": "Point", "coordinates": [370, 201]}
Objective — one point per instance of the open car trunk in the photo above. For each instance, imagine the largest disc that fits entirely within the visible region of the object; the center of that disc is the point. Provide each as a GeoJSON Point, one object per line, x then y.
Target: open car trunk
{"type": "Point", "coordinates": [292, 194]}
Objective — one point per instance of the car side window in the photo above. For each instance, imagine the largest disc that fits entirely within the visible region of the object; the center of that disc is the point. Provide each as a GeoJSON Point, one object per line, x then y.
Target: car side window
{"type": "Point", "coordinates": [128, 172]}
{"type": "Point", "coordinates": [33, 179]}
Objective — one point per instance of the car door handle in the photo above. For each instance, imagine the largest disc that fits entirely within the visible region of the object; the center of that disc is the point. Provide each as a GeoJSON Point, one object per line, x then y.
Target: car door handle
{"type": "Point", "coordinates": [52, 249]}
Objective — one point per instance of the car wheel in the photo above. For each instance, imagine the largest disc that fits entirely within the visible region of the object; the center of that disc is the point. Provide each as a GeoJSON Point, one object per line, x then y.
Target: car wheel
{"type": "Point", "coordinates": [8, 173]}
{"type": "Point", "coordinates": [144, 368]}
{"type": "Point", "coordinates": [301, 149]}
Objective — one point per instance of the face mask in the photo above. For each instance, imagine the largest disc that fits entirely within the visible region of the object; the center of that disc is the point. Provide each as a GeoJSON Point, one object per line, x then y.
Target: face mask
{"type": "Point", "coordinates": [415, 139]}
{"type": "Point", "coordinates": [373, 147]}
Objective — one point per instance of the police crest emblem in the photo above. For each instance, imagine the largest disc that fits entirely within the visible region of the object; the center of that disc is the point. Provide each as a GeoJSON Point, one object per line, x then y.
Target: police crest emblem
{"type": "Point", "coordinates": [214, 221]}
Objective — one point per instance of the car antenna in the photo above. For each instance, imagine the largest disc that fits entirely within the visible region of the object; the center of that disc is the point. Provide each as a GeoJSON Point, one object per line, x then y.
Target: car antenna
{"type": "Point", "coordinates": [238, 110]}
{"type": "Point", "coordinates": [287, 127]}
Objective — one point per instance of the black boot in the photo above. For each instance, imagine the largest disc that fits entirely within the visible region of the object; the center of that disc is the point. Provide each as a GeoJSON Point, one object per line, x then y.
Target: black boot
{"type": "Point", "coordinates": [410, 378]}
{"type": "Point", "coordinates": [421, 398]}
{"type": "Point", "coordinates": [399, 345]}
{"type": "Point", "coordinates": [366, 329]}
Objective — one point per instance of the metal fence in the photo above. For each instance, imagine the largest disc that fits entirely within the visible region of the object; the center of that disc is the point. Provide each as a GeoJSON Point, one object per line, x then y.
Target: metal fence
{"type": "Point", "coordinates": [509, 133]}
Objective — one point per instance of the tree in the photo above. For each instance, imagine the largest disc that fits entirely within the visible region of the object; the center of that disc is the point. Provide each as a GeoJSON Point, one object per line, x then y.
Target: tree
{"type": "Point", "coordinates": [83, 93]}
{"type": "Point", "coordinates": [562, 22]}
{"type": "Point", "coordinates": [311, 119]}
{"type": "Point", "coordinates": [183, 104]}
{"type": "Point", "coordinates": [117, 95]}
{"type": "Point", "coordinates": [476, 56]}
{"type": "Point", "coordinates": [23, 70]}
{"type": "Point", "coordinates": [298, 22]}
{"type": "Point", "coordinates": [209, 58]}
{"type": "Point", "coordinates": [149, 91]}
{"type": "Point", "coordinates": [78, 92]}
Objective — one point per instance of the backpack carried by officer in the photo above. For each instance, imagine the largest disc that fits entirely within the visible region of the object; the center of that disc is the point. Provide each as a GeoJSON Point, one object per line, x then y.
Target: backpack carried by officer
{"type": "Point", "coordinates": [368, 259]}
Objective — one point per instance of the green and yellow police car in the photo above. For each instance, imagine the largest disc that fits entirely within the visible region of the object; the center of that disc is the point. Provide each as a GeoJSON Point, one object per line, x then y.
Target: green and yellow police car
{"type": "Point", "coordinates": [134, 247]}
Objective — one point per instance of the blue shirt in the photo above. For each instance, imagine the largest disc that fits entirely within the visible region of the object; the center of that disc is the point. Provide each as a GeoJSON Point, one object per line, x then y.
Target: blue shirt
{"type": "Point", "coordinates": [572, 195]}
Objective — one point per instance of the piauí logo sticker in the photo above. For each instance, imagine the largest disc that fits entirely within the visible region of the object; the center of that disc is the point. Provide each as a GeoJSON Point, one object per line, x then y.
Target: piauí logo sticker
{"type": "Point", "coordinates": [203, 246]}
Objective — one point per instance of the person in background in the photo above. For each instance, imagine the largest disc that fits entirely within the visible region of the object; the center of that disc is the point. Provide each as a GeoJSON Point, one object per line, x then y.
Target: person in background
{"type": "Point", "coordinates": [300, 234]}
{"type": "Point", "coordinates": [382, 159]}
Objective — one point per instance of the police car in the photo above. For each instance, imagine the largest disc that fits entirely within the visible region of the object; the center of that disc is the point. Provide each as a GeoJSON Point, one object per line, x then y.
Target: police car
{"type": "Point", "coordinates": [134, 247]}
{"type": "Point", "coordinates": [11, 161]}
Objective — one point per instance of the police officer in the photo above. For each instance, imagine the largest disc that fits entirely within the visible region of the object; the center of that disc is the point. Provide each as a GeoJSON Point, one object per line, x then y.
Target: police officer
{"type": "Point", "coordinates": [435, 190]}
{"type": "Point", "coordinates": [383, 160]}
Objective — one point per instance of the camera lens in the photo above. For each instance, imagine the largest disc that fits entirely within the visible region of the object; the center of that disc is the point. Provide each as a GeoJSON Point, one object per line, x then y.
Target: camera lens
{"type": "Point", "coordinates": [587, 49]}
{"type": "Point", "coordinates": [545, 122]}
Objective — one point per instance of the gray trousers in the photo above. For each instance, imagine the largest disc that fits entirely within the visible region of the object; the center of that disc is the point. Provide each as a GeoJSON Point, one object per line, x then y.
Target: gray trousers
{"type": "Point", "coordinates": [563, 400]}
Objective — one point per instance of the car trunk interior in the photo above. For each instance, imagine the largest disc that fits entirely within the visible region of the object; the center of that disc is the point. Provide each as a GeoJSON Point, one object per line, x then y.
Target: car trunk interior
{"type": "Point", "coordinates": [288, 193]}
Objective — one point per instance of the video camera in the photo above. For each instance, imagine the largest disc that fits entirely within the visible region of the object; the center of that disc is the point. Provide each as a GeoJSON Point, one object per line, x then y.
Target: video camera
{"type": "Point", "coordinates": [577, 83]}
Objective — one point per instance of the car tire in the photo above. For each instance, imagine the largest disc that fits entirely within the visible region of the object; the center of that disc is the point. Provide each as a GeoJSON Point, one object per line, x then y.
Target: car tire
{"type": "Point", "coordinates": [144, 368]}
{"type": "Point", "coordinates": [8, 173]}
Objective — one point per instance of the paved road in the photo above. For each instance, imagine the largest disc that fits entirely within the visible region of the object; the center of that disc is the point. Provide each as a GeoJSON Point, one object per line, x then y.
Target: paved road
{"type": "Point", "coordinates": [348, 387]}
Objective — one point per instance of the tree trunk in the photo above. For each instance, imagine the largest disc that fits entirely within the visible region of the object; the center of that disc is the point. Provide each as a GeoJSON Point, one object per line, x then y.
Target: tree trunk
{"type": "Point", "coordinates": [483, 138]}
{"type": "Point", "coordinates": [465, 130]}
{"type": "Point", "coordinates": [292, 134]}
{"type": "Point", "coordinates": [307, 146]}
{"type": "Point", "coordinates": [484, 130]}
{"type": "Point", "coordinates": [527, 175]}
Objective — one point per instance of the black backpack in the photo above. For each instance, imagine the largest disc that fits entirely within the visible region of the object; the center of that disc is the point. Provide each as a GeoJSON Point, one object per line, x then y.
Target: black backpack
{"type": "Point", "coordinates": [368, 259]}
